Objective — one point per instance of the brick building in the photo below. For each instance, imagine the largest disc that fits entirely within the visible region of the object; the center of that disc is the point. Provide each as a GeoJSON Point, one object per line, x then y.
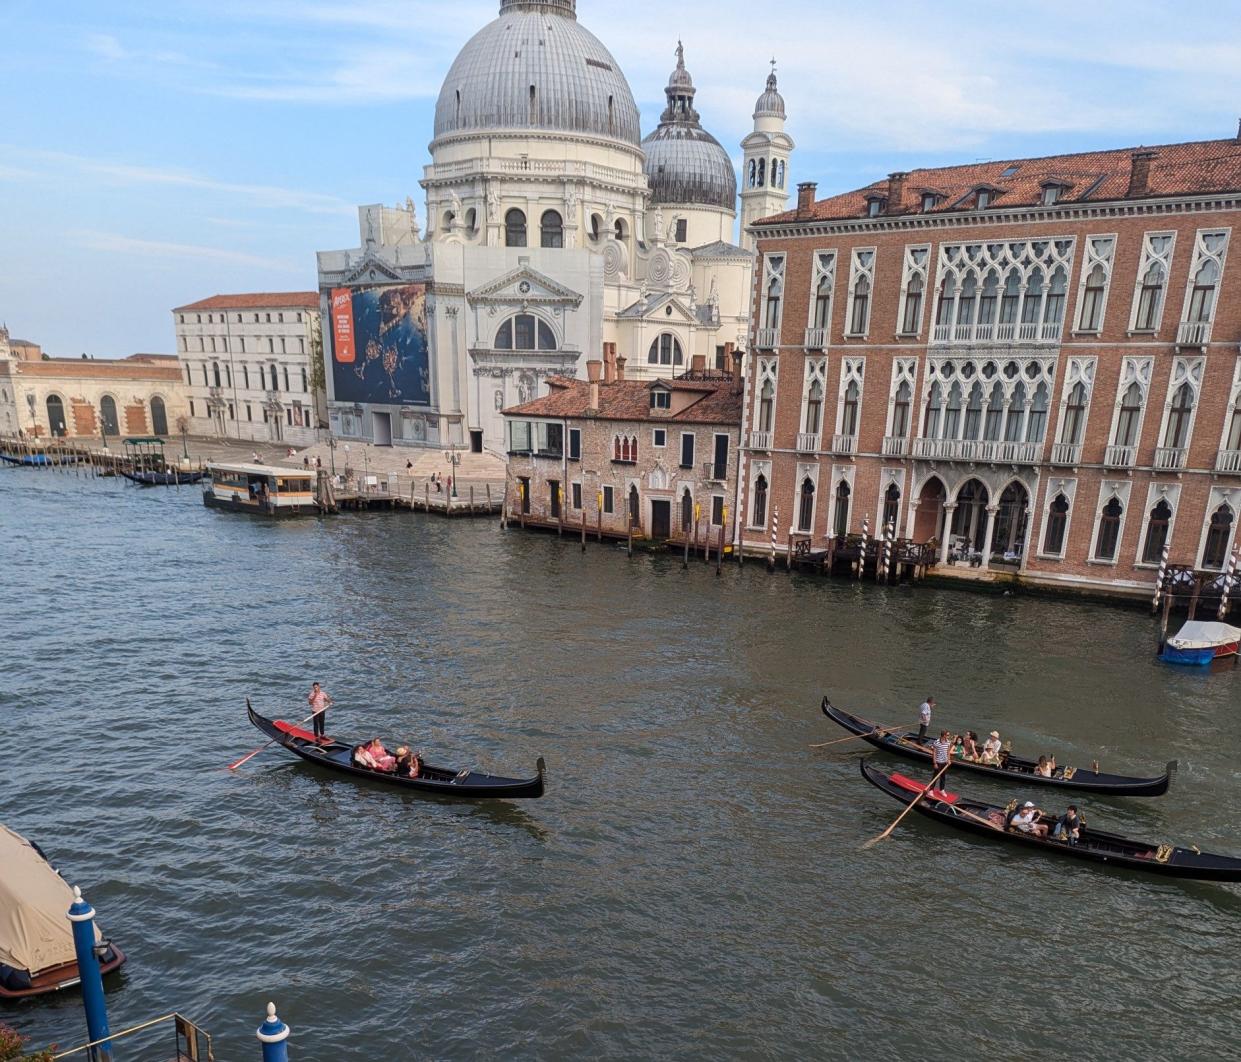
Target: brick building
{"type": "Point", "coordinates": [1033, 362]}
{"type": "Point", "coordinates": [658, 454]}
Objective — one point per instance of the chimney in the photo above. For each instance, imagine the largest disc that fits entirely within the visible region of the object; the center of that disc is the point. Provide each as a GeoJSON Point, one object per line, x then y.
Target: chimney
{"type": "Point", "coordinates": [698, 363]}
{"type": "Point", "coordinates": [620, 365]}
{"type": "Point", "coordinates": [805, 198]}
{"type": "Point", "coordinates": [1139, 175]}
{"type": "Point", "coordinates": [609, 363]}
{"type": "Point", "coordinates": [896, 189]}
{"type": "Point", "coordinates": [594, 368]}
{"type": "Point", "coordinates": [1239, 130]}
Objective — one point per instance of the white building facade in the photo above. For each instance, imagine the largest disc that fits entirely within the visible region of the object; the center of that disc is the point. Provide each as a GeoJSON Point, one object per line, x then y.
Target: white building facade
{"type": "Point", "coordinates": [552, 228]}
{"type": "Point", "coordinates": [248, 363]}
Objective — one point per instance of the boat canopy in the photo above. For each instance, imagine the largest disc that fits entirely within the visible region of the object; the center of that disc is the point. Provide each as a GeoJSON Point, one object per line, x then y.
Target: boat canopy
{"type": "Point", "coordinates": [248, 469]}
{"type": "Point", "coordinates": [1204, 634]}
{"type": "Point", "coordinates": [35, 932]}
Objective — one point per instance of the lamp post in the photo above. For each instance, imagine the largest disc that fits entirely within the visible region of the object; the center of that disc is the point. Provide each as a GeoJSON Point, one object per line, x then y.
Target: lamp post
{"type": "Point", "coordinates": [331, 449]}
{"type": "Point", "coordinates": [453, 456]}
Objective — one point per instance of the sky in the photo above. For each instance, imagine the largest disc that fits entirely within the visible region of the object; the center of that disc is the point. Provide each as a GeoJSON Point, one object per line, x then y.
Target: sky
{"type": "Point", "coordinates": [153, 153]}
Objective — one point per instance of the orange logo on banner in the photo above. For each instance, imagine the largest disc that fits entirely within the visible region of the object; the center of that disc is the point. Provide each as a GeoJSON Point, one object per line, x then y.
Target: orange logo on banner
{"type": "Point", "coordinates": [342, 325]}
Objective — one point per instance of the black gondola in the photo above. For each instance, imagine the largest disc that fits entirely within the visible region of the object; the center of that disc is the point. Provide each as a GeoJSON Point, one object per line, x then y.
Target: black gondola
{"type": "Point", "coordinates": [1093, 845]}
{"type": "Point", "coordinates": [1013, 768]}
{"type": "Point", "coordinates": [338, 756]}
{"type": "Point", "coordinates": [163, 479]}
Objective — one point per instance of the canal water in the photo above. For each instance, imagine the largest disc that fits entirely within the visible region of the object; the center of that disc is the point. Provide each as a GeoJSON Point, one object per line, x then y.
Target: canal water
{"type": "Point", "coordinates": [693, 882]}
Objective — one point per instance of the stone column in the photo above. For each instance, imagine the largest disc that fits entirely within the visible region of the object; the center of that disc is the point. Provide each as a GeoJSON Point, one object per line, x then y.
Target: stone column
{"type": "Point", "coordinates": [986, 541]}
{"type": "Point", "coordinates": [949, 509]}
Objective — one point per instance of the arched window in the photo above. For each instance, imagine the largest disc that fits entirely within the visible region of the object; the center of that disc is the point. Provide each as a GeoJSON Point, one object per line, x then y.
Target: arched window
{"type": "Point", "coordinates": [525, 332]}
{"type": "Point", "coordinates": [947, 302]}
{"type": "Point", "coordinates": [596, 228]}
{"type": "Point", "coordinates": [1091, 317]}
{"type": "Point", "coordinates": [1016, 414]}
{"type": "Point", "coordinates": [107, 415]}
{"type": "Point", "coordinates": [840, 515]}
{"type": "Point", "coordinates": [1074, 415]}
{"type": "Point", "coordinates": [1036, 422]}
{"type": "Point", "coordinates": [1233, 442]}
{"type": "Point", "coordinates": [805, 506]}
{"type": "Point", "coordinates": [665, 350]}
{"type": "Point", "coordinates": [891, 506]}
{"type": "Point", "coordinates": [814, 409]}
{"type": "Point", "coordinates": [986, 304]}
{"type": "Point", "coordinates": [1215, 552]}
{"type": "Point", "coordinates": [900, 410]}
{"type": "Point", "coordinates": [1179, 416]}
{"type": "Point", "coordinates": [823, 302]}
{"type": "Point", "coordinates": [973, 413]}
{"type": "Point", "coordinates": [1150, 299]}
{"type": "Point", "coordinates": [551, 229]}
{"type": "Point", "coordinates": [774, 291]}
{"type": "Point", "coordinates": [159, 416]}
{"type": "Point", "coordinates": [994, 418]}
{"type": "Point", "coordinates": [952, 413]}
{"type": "Point", "coordinates": [859, 317]}
{"type": "Point", "coordinates": [934, 410]}
{"type": "Point", "coordinates": [752, 180]}
{"type": "Point", "coordinates": [687, 511]}
{"type": "Point", "coordinates": [1109, 531]}
{"type": "Point", "coordinates": [1053, 306]}
{"type": "Point", "coordinates": [965, 305]}
{"type": "Point", "coordinates": [913, 305]}
{"type": "Point", "coordinates": [56, 415]}
{"type": "Point", "coordinates": [1156, 533]}
{"type": "Point", "coordinates": [1130, 416]}
{"type": "Point", "coordinates": [1202, 297]}
{"type": "Point", "coordinates": [514, 228]}
{"type": "Point", "coordinates": [766, 405]}
{"type": "Point", "coordinates": [762, 172]}
{"type": "Point", "coordinates": [849, 410]}
{"type": "Point", "coordinates": [619, 230]}
{"type": "Point", "coordinates": [759, 518]}
{"type": "Point", "coordinates": [215, 373]}
{"type": "Point", "coordinates": [1057, 521]}
{"type": "Point", "coordinates": [275, 383]}
{"type": "Point", "coordinates": [1010, 298]}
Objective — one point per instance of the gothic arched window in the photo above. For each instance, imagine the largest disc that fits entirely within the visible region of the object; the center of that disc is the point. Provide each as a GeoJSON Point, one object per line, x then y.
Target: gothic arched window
{"type": "Point", "coordinates": [1215, 552]}
{"type": "Point", "coordinates": [1057, 521]}
{"type": "Point", "coordinates": [760, 501]}
{"type": "Point", "coordinates": [1156, 533]}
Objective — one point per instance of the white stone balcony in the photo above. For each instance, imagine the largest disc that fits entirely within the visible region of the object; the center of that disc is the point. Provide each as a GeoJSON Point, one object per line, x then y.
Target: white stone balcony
{"type": "Point", "coordinates": [844, 444]}
{"type": "Point", "coordinates": [808, 441]}
{"type": "Point", "coordinates": [895, 446]}
{"type": "Point", "coordinates": [985, 332]}
{"type": "Point", "coordinates": [767, 338]}
{"type": "Point", "coordinates": [1066, 453]}
{"type": "Point", "coordinates": [1193, 333]}
{"type": "Point", "coordinates": [1119, 456]}
{"type": "Point", "coordinates": [990, 451]}
{"type": "Point", "coordinates": [760, 440]}
{"type": "Point", "coordinates": [816, 338]}
{"type": "Point", "coordinates": [1228, 461]}
{"type": "Point", "coordinates": [1170, 457]}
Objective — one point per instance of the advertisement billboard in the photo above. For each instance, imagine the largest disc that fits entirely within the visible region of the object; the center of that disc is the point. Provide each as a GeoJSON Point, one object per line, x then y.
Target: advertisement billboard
{"type": "Point", "coordinates": [379, 345]}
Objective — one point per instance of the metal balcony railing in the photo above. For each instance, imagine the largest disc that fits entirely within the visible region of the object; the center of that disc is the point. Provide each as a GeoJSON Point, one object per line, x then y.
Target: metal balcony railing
{"type": "Point", "coordinates": [767, 338]}
{"type": "Point", "coordinates": [1228, 461]}
{"type": "Point", "coordinates": [1193, 333]}
{"type": "Point", "coordinates": [1066, 453]}
{"type": "Point", "coordinates": [808, 441]}
{"type": "Point", "coordinates": [760, 440]}
{"type": "Point", "coordinates": [1119, 456]}
{"type": "Point", "coordinates": [816, 338]}
{"type": "Point", "coordinates": [895, 446]}
{"type": "Point", "coordinates": [1170, 457]}
{"type": "Point", "coordinates": [844, 444]}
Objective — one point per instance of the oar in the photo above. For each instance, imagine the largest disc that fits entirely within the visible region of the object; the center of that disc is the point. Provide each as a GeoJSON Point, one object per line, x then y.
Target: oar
{"type": "Point", "coordinates": [854, 737]}
{"type": "Point", "coordinates": [917, 797]}
{"type": "Point", "coordinates": [250, 756]}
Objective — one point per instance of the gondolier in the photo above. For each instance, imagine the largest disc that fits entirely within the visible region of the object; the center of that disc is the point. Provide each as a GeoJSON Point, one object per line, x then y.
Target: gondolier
{"type": "Point", "coordinates": [941, 753]}
{"type": "Point", "coordinates": [319, 702]}
{"type": "Point", "coordinates": [924, 716]}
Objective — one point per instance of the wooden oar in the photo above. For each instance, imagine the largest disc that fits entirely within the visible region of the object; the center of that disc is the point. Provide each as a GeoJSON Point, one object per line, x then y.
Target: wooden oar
{"type": "Point", "coordinates": [855, 737]}
{"type": "Point", "coordinates": [250, 756]}
{"type": "Point", "coordinates": [917, 797]}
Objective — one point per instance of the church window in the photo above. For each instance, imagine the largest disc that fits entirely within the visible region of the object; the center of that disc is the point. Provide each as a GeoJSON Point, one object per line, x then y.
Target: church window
{"type": "Point", "coordinates": [525, 332]}
{"type": "Point", "coordinates": [682, 230]}
{"type": "Point", "coordinates": [551, 228]}
{"type": "Point", "coordinates": [762, 172]}
{"type": "Point", "coordinates": [619, 228]}
{"type": "Point", "coordinates": [514, 228]}
{"type": "Point", "coordinates": [534, 106]}
{"type": "Point", "coordinates": [666, 350]}
{"type": "Point", "coordinates": [596, 227]}
{"type": "Point", "coordinates": [753, 175]}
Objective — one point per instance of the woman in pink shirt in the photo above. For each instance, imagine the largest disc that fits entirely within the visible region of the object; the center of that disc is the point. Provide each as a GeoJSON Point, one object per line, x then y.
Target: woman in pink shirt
{"type": "Point", "coordinates": [384, 760]}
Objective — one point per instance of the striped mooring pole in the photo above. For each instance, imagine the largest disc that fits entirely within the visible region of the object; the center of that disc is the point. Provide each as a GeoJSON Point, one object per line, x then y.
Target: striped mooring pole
{"type": "Point", "coordinates": [1229, 580]}
{"type": "Point", "coordinates": [775, 523]}
{"type": "Point", "coordinates": [1159, 578]}
{"type": "Point", "coordinates": [273, 1034]}
{"type": "Point", "coordinates": [888, 536]}
{"type": "Point", "coordinates": [861, 561]}
{"type": "Point", "coordinates": [82, 915]}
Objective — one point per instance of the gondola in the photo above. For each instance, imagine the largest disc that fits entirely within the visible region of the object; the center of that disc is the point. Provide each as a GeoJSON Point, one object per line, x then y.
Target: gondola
{"type": "Point", "coordinates": [988, 820]}
{"type": "Point", "coordinates": [1013, 769]}
{"type": "Point", "coordinates": [337, 755]}
{"type": "Point", "coordinates": [29, 460]}
{"type": "Point", "coordinates": [163, 479]}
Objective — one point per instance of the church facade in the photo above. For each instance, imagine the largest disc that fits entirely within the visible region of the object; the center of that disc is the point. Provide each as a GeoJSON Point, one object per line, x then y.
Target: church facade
{"type": "Point", "coordinates": [552, 226]}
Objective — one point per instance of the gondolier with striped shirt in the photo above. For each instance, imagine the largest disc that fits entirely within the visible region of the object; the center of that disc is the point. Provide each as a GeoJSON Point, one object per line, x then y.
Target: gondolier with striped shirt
{"type": "Point", "coordinates": [319, 702]}
{"type": "Point", "coordinates": [941, 754]}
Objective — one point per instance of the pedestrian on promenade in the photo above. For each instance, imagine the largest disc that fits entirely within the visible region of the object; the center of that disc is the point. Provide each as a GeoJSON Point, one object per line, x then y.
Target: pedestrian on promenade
{"type": "Point", "coordinates": [924, 716]}
{"type": "Point", "coordinates": [409, 467]}
{"type": "Point", "coordinates": [319, 702]}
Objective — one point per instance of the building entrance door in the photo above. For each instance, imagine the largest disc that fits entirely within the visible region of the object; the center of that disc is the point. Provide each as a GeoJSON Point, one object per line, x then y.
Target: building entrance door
{"type": "Point", "coordinates": [476, 442]}
{"type": "Point", "coordinates": [661, 518]}
{"type": "Point", "coordinates": [381, 428]}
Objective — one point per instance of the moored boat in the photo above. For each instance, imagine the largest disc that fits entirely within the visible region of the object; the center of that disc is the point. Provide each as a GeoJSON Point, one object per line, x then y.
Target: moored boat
{"type": "Point", "coordinates": [267, 490]}
{"type": "Point", "coordinates": [337, 755]}
{"type": "Point", "coordinates": [171, 478]}
{"type": "Point", "coordinates": [1011, 769]}
{"type": "Point", "coordinates": [988, 820]}
{"type": "Point", "coordinates": [29, 460]}
{"type": "Point", "coordinates": [1199, 642]}
{"type": "Point", "coordinates": [36, 937]}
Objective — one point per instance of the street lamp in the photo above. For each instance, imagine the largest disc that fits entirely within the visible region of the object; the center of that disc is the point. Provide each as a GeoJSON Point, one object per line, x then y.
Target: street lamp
{"type": "Point", "coordinates": [331, 446]}
{"type": "Point", "coordinates": [453, 456]}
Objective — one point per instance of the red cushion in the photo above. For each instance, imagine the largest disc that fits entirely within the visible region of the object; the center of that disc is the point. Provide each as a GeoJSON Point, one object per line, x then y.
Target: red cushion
{"type": "Point", "coordinates": [295, 731]}
{"type": "Point", "coordinates": [920, 787]}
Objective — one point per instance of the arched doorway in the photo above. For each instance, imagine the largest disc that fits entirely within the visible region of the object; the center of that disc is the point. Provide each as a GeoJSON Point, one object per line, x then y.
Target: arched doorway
{"type": "Point", "coordinates": [634, 510]}
{"type": "Point", "coordinates": [687, 512]}
{"type": "Point", "coordinates": [1009, 537]}
{"type": "Point", "coordinates": [970, 519]}
{"type": "Point", "coordinates": [929, 523]}
{"type": "Point", "coordinates": [840, 512]}
{"type": "Point", "coordinates": [56, 415]}
{"type": "Point", "coordinates": [108, 422]}
{"type": "Point", "coordinates": [159, 416]}
{"type": "Point", "coordinates": [805, 506]}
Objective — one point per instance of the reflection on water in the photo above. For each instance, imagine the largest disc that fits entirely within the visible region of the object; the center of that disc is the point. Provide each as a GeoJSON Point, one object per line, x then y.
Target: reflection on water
{"type": "Point", "coordinates": [693, 882]}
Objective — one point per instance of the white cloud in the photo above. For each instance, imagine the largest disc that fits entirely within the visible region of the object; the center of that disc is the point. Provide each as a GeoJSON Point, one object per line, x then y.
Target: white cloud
{"type": "Point", "coordinates": [130, 246]}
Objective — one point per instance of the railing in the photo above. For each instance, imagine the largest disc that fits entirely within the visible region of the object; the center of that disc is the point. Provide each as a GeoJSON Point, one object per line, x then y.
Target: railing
{"type": "Point", "coordinates": [808, 441]}
{"type": "Point", "coordinates": [1119, 456]}
{"type": "Point", "coordinates": [713, 472]}
{"type": "Point", "coordinates": [760, 440]}
{"type": "Point", "coordinates": [844, 444]}
{"type": "Point", "coordinates": [1170, 457]}
{"type": "Point", "coordinates": [816, 338]}
{"type": "Point", "coordinates": [992, 450]}
{"type": "Point", "coordinates": [1193, 333]}
{"type": "Point", "coordinates": [895, 446]}
{"type": "Point", "coordinates": [1005, 332]}
{"type": "Point", "coordinates": [767, 338]}
{"type": "Point", "coordinates": [1066, 453]}
{"type": "Point", "coordinates": [1228, 461]}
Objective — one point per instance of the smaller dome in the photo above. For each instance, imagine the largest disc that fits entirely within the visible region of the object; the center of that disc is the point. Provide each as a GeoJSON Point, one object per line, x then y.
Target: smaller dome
{"type": "Point", "coordinates": [770, 104]}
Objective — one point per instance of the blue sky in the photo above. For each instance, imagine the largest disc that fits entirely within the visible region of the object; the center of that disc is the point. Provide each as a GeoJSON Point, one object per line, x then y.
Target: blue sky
{"type": "Point", "coordinates": [155, 153]}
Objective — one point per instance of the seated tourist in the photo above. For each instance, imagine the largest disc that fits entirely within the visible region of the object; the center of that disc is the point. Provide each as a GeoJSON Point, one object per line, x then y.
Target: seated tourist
{"type": "Point", "coordinates": [991, 749]}
{"type": "Point", "coordinates": [363, 758]}
{"type": "Point", "coordinates": [402, 759]}
{"type": "Point", "coordinates": [969, 747]}
{"type": "Point", "coordinates": [384, 760]}
{"type": "Point", "coordinates": [415, 765]}
{"type": "Point", "coordinates": [1044, 767]}
{"type": "Point", "coordinates": [1026, 821]}
{"type": "Point", "coordinates": [1068, 826]}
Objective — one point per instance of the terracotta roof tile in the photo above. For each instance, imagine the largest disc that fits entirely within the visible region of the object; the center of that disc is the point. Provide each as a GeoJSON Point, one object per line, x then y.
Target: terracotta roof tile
{"type": "Point", "coordinates": [260, 300]}
{"type": "Point", "coordinates": [631, 400]}
{"type": "Point", "coordinates": [1198, 167]}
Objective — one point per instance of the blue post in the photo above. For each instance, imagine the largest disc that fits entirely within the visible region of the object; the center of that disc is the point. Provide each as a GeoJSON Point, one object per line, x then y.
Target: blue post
{"type": "Point", "coordinates": [273, 1034]}
{"type": "Point", "coordinates": [82, 915]}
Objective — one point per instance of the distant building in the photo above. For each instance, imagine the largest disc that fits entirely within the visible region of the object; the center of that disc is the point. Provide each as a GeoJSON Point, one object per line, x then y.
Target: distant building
{"type": "Point", "coordinates": [88, 397]}
{"type": "Point", "coordinates": [248, 365]}
{"type": "Point", "coordinates": [1033, 362]}
{"type": "Point", "coordinates": [658, 455]}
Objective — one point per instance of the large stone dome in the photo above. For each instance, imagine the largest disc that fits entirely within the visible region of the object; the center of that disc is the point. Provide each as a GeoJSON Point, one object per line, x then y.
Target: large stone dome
{"type": "Point", "coordinates": [537, 68]}
{"type": "Point", "coordinates": [684, 163]}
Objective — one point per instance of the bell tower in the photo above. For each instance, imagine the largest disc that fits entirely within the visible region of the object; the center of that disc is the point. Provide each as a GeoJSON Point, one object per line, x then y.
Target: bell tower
{"type": "Point", "coordinates": [765, 179]}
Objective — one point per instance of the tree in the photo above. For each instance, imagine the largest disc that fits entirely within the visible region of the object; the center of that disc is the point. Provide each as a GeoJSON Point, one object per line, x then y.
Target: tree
{"type": "Point", "coordinates": [12, 1042]}
{"type": "Point", "coordinates": [318, 372]}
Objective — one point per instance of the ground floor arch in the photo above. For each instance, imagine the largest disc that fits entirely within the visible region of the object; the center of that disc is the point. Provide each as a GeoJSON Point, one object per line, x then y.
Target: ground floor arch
{"type": "Point", "coordinates": [56, 423]}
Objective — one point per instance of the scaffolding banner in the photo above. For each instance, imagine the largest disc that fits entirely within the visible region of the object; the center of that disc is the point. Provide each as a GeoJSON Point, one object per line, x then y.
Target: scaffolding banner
{"type": "Point", "coordinates": [379, 345]}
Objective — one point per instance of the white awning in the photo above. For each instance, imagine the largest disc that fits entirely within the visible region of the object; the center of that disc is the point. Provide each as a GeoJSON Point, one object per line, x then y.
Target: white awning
{"type": "Point", "coordinates": [1204, 634]}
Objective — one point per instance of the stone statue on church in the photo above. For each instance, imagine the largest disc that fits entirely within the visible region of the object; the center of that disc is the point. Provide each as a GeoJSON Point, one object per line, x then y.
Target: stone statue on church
{"type": "Point", "coordinates": [493, 202]}
{"type": "Point", "coordinates": [458, 213]}
{"type": "Point", "coordinates": [659, 225]}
